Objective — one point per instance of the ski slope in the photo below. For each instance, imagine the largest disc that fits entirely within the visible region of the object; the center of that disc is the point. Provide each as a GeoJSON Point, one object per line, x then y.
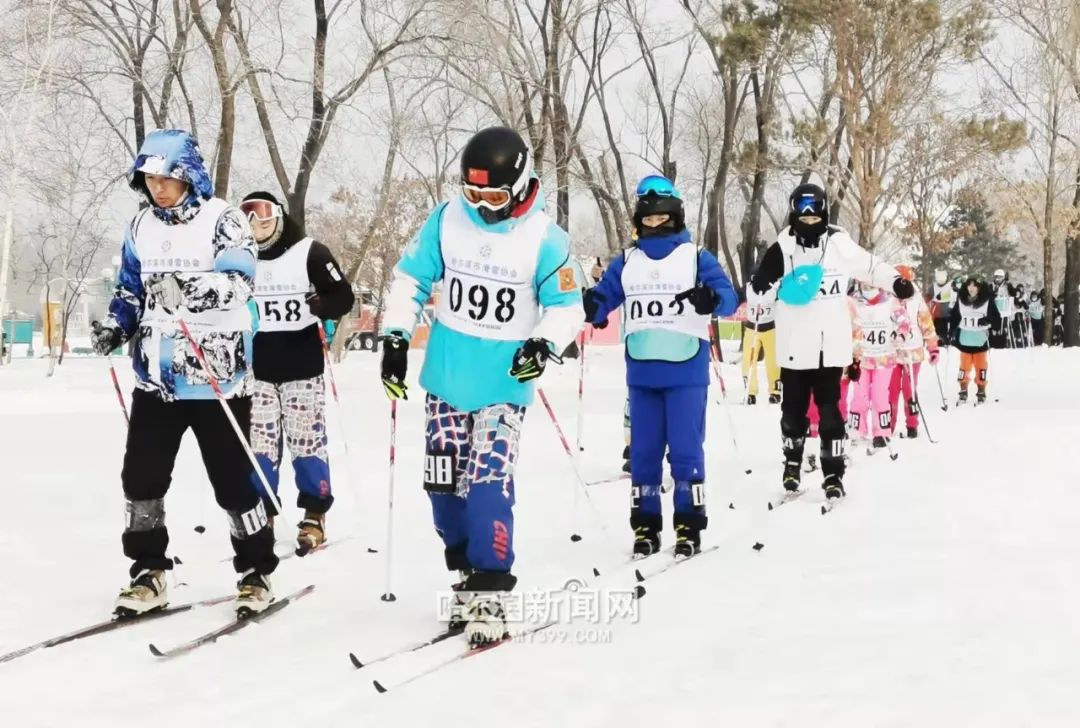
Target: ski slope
{"type": "Point", "coordinates": [942, 592]}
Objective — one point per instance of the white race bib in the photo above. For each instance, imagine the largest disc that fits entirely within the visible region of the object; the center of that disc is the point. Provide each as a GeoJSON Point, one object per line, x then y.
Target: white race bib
{"type": "Point", "coordinates": [281, 289]}
{"type": "Point", "coordinates": [651, 286]}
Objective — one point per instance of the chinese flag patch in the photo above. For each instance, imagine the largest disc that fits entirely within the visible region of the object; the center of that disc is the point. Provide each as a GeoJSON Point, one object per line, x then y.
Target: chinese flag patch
{"type": "Point", "coordinates": [477, 176]}
{"type": "Point", "coordinates": [566, 280]}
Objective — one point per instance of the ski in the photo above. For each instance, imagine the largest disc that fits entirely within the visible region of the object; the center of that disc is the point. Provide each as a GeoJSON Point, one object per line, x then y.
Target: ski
{"type": "Point", "coordinates": [787, 497]}
{"type": "Point", "coordinates": [667, 565]}
{"type": "Point", "coordinates": [113, 624]}
{"type": "Point", "coordinates": [235, 625]}
{"type": "Point", "coordinates": [605, 481]}
{"type": "Point", "coordinates": [406, 649]}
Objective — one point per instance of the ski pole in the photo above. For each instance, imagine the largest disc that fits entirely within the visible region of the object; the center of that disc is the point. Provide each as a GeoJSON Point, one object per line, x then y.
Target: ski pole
{"type": "Point", "coordinates": [229, 414]}
{"type": "Point", "coordinates": [388, 595]}
{"type": "Point", "coordinates": [915, 401]}
{"type": "Point", "coordinates": [753, 359]}
{"type": "Point", "coordinates": [575, 537]}
{"type": "Point", "coordinates": [941, 390]}
{"type": "Point", "coordinates": [334, 391]}
{"type": "Point", "coordinates": [119, 393]}
{"type": "Point", "coordinates": [713, 350]}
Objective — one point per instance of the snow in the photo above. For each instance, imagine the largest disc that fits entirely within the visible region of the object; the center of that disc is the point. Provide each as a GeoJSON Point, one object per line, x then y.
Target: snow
{"type": "Point", "coordinates": [943, 591]}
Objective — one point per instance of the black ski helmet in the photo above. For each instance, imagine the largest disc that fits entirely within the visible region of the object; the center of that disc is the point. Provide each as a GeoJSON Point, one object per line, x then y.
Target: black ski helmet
{"type": "Point", "coordinates": [808, 201]}
{"type": "Point", "coordinates": [657, 195]}
{"type": "Point", "coordinates": [497, 158]}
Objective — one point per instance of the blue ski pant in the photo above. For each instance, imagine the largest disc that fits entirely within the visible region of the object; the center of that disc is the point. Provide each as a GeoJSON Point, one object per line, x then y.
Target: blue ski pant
{"type": "Point", "coordinates": [670, 419]}
{"type": "Point", "coordinates": [469, 476]}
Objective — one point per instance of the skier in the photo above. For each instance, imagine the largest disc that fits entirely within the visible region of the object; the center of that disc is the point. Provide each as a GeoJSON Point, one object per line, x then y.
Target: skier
{"type": "Point", "coordinates": [942, 303]}
{"type": "Point", "coordinates": [187, 256]}
{"type": "Point", "coordinates": [974, 316]}
{"type": "Point", "coordinates": [1003, 292]}
{"type": "Point", "coordinates": [813, 326]}
{"type": "Point", "coordinates": [297, 284]}
{"type": "Point", "coordinates": [1035, 311]}
{"type": "Point", "coordinates": [668, 290]}
{"type": "Point", "coordinates": [880, 321]}
{"type": "Point", "coordinates": [510, 301]}
{"type": "Point", "coordinates": [759, 339]}
{"type": "Point", "coordinates": [919, 342]}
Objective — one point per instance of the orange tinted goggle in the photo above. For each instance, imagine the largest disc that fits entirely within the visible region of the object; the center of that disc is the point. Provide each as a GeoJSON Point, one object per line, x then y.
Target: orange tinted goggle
{"type": "Point", "coordinates": [492, 197]}
{"type": "Point", "coordinates": [261, 210]}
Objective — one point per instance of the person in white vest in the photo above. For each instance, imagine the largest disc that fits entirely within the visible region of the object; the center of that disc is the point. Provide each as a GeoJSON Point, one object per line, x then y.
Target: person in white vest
{"type": "Point", "coordinates": [510, 301]}
{"type": "Point", "coordinates": [812, 262]}
{"type": "Point", "coordinates": [973, 318]}
{"type": "Point", "coordinates": [944, 296]}
{"type": "Point", "coordinates": [759, 340]}
{"type": "Point", "coordinates": [668, 290]}
{"type": "Point", "coordinates": [186, 256]}
{"type": "Point", "coordinates": [298, 284]}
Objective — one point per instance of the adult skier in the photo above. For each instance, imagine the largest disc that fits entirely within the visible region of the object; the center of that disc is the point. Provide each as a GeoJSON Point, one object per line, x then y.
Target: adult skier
{"type": "Point", "coordinates": [298, 284]}
{"type": "Point", "coordinates": [944, 296]}
{"type": "Point", "coordinates": [880, 321]}
{"type": "Point", "coordinates": [1003, 292]}
{"type": "Point", "coordinates": [759, 339]}
{"type": "Point", "coordinates": [812, 261]}
{"type": "Point", "coordinates": [918, 342]}
{"type": "Point", "coordinates": [187, 256]}
{"type": "Point", "coordinates": [668, 290]}
{"type": "Point", "coordinates": [509, 302]}
{"type": "Point", "coordinates": [973, 318]}
{"type": "Point", "coordinates": [1035, 311]}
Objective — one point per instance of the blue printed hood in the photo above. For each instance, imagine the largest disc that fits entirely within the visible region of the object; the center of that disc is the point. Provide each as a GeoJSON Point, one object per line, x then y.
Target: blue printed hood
{"type": "Point", "coordinates": [172, 153]}
{"type": "Point", "coordinates": [658, 247]}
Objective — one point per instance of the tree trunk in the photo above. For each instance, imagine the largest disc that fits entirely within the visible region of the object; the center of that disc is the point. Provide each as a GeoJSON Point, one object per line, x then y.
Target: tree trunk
{"type": "Point", "coordinates": [1048, 220]}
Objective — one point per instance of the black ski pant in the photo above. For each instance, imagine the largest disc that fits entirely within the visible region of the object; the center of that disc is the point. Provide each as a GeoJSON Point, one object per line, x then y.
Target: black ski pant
{"type": "Point", "coordinates": [154, 436]}
{"type": "Point", "coordinates": [824, 384]}
{"type": "Point", "coordinates": [941, 328]}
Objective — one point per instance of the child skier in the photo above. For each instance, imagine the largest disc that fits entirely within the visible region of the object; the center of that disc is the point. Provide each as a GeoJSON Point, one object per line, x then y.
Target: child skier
{"type": "Point", "coordinates": [973, 318]}
{"type": "Point", "coordinates": [297, 283]}
{"type": "Point", "coordinates": [759, 339]}
{"type": "Point", "coordinates": [918, 343]}
{"type": "Point", "coordinates": [880, 320]}
{"type": "Point", "coordinates": [813, 328]}
{"type": "Point", "coordinates": [668, 290]}
{"type": "Point", "coordinates": [510, 301]}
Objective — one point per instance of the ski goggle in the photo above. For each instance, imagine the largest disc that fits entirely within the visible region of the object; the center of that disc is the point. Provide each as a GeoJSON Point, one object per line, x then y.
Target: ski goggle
{"type": "Point", "coordinates": [657, 185]}
{"type": "Point", "coordinates": [808, 205]}
{"type": "Point", "coordinates": [261, 210]}
{"type": "Point", "coordinates": [493, 198]}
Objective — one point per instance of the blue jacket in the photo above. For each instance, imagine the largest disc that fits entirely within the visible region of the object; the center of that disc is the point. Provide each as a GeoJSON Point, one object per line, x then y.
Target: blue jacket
{"type": "Point", "coordinates": [656, 373]}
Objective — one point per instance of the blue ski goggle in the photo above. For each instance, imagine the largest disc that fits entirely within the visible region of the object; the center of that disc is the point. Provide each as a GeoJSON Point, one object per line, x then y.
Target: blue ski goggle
{"type": "Point", "coordinates": [808, 205]}
{"type": "Point", "coordinates": [658, 185]}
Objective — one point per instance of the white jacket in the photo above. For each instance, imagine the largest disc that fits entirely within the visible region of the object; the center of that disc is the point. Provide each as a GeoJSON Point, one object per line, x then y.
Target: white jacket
{"type": "Point", "coordinates": [819, 333]}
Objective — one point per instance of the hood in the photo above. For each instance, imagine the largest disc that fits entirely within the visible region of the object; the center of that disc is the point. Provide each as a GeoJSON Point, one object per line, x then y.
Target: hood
{"type": "Point", "coordinates": [172, 153]}
{"type": "Point", "coordinates": [658, 247]}
{"type": "Point", "coordinates": [532, 205]}
{"type": "Point", "coordinates": [985, 292]}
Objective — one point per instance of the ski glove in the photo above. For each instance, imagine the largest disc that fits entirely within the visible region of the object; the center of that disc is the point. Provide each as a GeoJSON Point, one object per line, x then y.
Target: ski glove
{"type": "Point", "coordinates": [166, 292]}
{"type": "Point", "coordinates": [592, 308]}
{"type": "Point", "coordinates": [903, 288]}
{"type": "Point", "coordinates": [105, 339]}
{"type": "Point", "coordinates": [395, 364]}
{"type": "Point", "coordinates": [531, 358]}
{"type": "Point", "coordinates": [984, 321]}
{"type": "Point", "coordinates": [701, 297]}
{"type": "Point", "coordinates": [315, 305]}
{"type": "Point", "coordinates": [760, 287]}
{"type": "Point", "coordinates": [854, 371]}
{"type": "Point", "coordinates": [934, 356]}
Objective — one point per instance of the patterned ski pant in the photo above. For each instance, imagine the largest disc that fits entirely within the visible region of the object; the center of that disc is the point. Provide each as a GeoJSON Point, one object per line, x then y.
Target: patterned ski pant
{"type": "Point", "coordinates": [293, 414]}
{"type": "Point", "coordinates": [469, 476]}
{"type": "Point", "coordinates": [872, 393]}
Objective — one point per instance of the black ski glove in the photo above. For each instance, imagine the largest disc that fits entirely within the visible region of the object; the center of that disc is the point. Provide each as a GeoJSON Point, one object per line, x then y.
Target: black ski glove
{"type": "Point", "coordinates": [590, 301]}
{"type": "Point", "coordinates": [903, 288]}
{"type": "Point", "coordinates": [395, 364]}
{"type": "Point", "coordinates": [854, 371]}
{"type": "Point", "coordinates": [701, 297]}
{"type": "Point", "coordinates": [105, 339]}
{"type": "Point", "coordinates": [984, 321]}
{"type": "Point", "coordinates": [315, 305]}
{"type": "Point", "coordinates": [531, 358]}
{"type": "Point", "coordinates": [760, 287]}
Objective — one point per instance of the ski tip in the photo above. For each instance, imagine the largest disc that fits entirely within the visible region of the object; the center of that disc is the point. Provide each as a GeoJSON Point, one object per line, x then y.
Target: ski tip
{"type": "Point", "coordinates": [378, 686]}
{"type": "Point", "coordinates": [639, 591]}
{"type": "Point", "coordinates": [575, 537]}
{"type": "Point", "coordinates": [155, 651]}
{"type": "Point", "coordinates": [355, 661]}
{"type": "Point", "coordinates": [638, 575]}
{"type": "Point", "coordinates": [177, 561]}
{"type": "Point", "coordinates": [389, 597]}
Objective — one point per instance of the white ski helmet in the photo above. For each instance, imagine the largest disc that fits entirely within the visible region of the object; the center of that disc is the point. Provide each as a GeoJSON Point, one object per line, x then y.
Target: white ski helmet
{"type": "Point", "coordinates": [941, 277]}
{"type": "Point", "coordinates": [999, 275]}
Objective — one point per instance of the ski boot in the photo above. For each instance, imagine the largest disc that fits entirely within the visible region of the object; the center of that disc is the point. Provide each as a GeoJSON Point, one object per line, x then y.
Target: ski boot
{"type": "Point", "coordinates": [751, 399]}
{"type": "Point", "coordinates": [646, 534]}
{"type": "Point", "coordinates": [833, 487]}
{"type": "Point", "coordinates": [912, 433]}
{"type": "Point", "coordinates": [962, 399]}
{"type": "Point", "coordinates": [774, 399]}
{"type": "Point", "coordinates": [880, 442]}
{"type": "Point", "coordinates": [980, 396]}
{"type": "Point", "coordinates": [687, 541]}
{"type": "Point", "coordinates": [147, 592]}
{"type": "Point", "coordinates": [792, 475]}
{"type": "Point", "coordinates": [626, 459]}
{"type": "Point", "coordinates": [455, 616]}
{"type": "Point", "coordinates": [253, 595]}
{"type": "Point", "coordinates": [485, 616]}
{"type": "Point", "coordinates": [312, 534]}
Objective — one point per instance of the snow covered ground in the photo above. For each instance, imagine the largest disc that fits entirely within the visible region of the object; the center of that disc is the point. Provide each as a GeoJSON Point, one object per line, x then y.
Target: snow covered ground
{"type": "Point", "coordinates": [943, 592]}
